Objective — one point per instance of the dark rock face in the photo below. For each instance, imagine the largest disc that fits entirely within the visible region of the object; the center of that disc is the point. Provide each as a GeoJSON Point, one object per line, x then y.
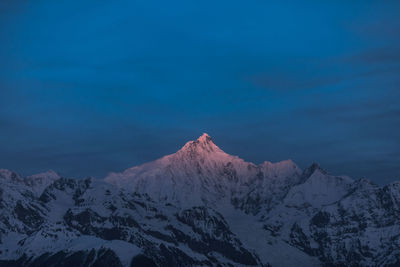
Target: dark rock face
{"type": "Point", "coordinates": [138, 220]}
{"type": "Point", "coordinates": [142, 261]}
{"type": "Point", "coordinates": [28, 215]}
{"type": "Point", "coordinates": [214, 232]}
{"type": "Point", "coordinates": [300, 240]}
{"type": "Point", "coordinates": [320, 219]}
{"type": "Point", "coordinates": [346, 231]}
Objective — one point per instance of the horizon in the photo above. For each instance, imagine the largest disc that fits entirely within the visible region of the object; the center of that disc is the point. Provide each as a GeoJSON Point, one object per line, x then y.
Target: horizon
{"type": "Point", "coordinates": [303, 168]}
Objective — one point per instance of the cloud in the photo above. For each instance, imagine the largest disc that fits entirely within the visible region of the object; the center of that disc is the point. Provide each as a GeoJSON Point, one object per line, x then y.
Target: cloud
{"type": "Point", "coordinates": [327, 72]}
{"type": "Point", "coordinates": [290, 82]}
{"type": "Point", "coordinates": [377, 56]}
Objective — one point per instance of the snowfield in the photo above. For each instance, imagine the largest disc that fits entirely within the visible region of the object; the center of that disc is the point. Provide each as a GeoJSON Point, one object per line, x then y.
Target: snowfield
{"type": "Point", "coordinates": [199, 207]}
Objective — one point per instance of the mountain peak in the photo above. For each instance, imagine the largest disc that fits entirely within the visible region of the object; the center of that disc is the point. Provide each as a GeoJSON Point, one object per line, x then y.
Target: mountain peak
{"type": "Point", "coordinates": [49, 175]}
{"type": "Point", "coordinates": [9, 175]}
{"type": "Point", "coordinates": [203, 143]}
{"type": "Point", "coordinates": [204, 138]}
{"type": "Point", "coordinates": [312, 169]}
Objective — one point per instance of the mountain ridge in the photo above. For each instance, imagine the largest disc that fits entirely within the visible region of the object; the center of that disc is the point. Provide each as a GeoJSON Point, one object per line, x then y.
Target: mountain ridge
{"type": "Point", "coordinates": [198, 164]}
{"type": "Point", "coordinates": [199, 207]}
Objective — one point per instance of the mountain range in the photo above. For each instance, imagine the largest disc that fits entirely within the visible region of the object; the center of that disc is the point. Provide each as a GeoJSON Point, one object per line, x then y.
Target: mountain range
{"type": "Point", "coordinates": [199, 207]}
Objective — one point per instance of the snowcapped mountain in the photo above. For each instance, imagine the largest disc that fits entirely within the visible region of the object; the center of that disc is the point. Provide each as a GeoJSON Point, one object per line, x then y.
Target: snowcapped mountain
{"type": "Point", "coordinates": [202, 174]}
{"type": "Point", "coordinates": [199, 207]}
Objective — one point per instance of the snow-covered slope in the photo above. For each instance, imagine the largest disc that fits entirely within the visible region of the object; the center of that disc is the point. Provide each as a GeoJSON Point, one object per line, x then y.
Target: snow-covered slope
{"type": "Point", "coordinates": [199, 207]}
{"type": "Point", "coordinates": [200, 173]}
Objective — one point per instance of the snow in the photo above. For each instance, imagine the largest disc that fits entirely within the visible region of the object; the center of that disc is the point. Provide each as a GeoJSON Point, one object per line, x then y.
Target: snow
{"type": "Point", "coordinates": [261, 204]}
{"type": "Point", "coordinates": [39, 182]}
{"type": "Point", "coordinates": [318, 190]}
{"type": "Point", "coordinates": [49, 175]}
{"type": "Point", "coordinates": [41, 243]}
{"type": "Point", "coordinates": [199, 166]}
{"type": "Point", "coordinates": [9, 175]}
{"type": "Point", "coordinates": [269, 248]}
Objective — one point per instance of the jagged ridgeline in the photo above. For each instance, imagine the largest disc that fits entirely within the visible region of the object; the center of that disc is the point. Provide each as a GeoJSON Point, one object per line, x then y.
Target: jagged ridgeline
{"type": "Point", "coordinates": [199, 207]}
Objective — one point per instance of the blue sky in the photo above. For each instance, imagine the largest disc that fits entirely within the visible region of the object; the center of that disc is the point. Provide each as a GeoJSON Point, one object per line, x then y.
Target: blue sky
{"type": "Point", "coordinates": [97, 86]}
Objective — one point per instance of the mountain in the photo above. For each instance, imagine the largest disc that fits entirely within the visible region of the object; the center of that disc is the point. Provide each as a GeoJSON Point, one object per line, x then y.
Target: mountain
{"type": "Point", "coordinates": [217, 178]}
{"type": "Point", "coordinates": [199, 207]}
